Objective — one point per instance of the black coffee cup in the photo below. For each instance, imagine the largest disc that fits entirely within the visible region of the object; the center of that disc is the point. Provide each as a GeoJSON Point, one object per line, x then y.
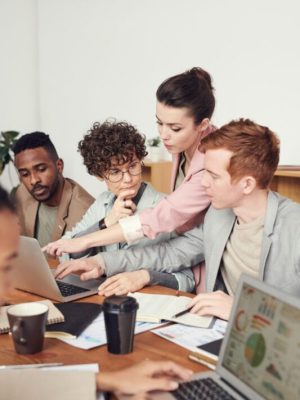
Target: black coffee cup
{"type": "Point", "coordinates": [119, 317]}
{"type": "Point", "coordinates": [27, 325]}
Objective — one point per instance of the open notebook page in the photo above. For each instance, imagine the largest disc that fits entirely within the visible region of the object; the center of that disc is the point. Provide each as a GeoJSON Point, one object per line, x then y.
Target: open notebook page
{"type": "Point", "coordinates": [156, 307]}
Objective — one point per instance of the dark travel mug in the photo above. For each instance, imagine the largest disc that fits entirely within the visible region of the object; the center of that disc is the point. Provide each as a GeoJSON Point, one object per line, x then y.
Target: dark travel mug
{"type": "Point", "coordinates": [119, 317]}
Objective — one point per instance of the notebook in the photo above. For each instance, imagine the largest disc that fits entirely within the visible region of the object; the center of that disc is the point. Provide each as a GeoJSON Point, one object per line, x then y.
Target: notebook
{"type": "Point", "coordinates": [208, 352]}
{"type": "Point", "coordinates": [54, 315]}
{"type": "Point", "coordinates": [158, 307]}
{"type": "Point", "coordinates": [212, 348]}
{"type": "Point", "coordinates": [78, 316]}
{"type": "Point", "coordinates": [260, 353]}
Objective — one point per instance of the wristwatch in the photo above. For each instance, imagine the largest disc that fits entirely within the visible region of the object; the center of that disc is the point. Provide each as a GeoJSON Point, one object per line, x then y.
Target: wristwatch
{"type": "Point", "coordinates": [102, 224]}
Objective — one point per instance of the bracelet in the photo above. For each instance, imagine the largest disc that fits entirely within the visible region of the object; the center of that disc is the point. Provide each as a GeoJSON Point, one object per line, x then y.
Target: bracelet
{"type": "Point", "coordinates": [102, 224]}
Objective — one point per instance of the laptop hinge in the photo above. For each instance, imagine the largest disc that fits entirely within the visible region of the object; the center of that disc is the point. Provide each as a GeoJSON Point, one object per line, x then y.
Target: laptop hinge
{"type": "Point", "coordinates": [234, 389]}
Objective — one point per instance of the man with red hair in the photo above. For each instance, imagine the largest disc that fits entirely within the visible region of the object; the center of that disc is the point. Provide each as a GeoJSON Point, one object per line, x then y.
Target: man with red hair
{"type": "Point", "coordinates": [248, 228]}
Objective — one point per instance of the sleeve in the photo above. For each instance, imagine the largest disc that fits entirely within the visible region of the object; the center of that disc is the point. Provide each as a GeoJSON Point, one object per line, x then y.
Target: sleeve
{"type": "Point", "coordinates": [172, 212]}
{"type": "Point", "coordinates": [87, 224]}
{"type": "Point", "coordinates": [164, 279]}
{"type": "Point", "coordinates": [174, 255]}
{"type": "Point", "coordinates": [296, 239]}
{"type": "Point", "coordinates": [183, 280]}
{"type": "Point", "coordinates": [90, 218]}
{"type": "Point", "coordinates": [88, 252]}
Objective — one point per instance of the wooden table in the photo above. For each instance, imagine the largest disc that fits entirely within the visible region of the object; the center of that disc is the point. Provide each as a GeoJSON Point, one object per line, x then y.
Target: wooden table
{"type": "Point", "coordinates": [146, 345]}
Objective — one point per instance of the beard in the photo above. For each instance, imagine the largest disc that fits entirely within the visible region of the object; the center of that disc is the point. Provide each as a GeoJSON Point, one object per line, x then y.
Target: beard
{"type": "Point", "coordinates": [43, 193]}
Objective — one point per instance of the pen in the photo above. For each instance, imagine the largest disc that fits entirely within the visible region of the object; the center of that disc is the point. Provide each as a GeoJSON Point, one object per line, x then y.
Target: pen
{"type": "Point", "coordinates": [202, 362]}
{"type": "Point", "coordinates": [182, 312]}
{"type": "Point", "coordinates": [57, 335]}
{"type": "Point", "coordinates": [25, 366]}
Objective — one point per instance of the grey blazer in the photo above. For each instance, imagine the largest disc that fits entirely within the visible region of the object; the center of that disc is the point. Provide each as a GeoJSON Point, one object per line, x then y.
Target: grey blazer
{"type": "Point", "coordinates": [280, 255]}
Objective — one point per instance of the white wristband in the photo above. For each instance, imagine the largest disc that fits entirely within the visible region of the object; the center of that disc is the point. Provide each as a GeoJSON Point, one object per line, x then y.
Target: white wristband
{"type": "Point", "coordinates": [132, 228]}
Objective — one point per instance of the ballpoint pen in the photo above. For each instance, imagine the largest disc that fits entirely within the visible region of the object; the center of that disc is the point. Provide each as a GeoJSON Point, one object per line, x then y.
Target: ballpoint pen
{"type": "Point", "coordinates": [57, 335]}
{"type": "Point", "coordinates": [187, 310]}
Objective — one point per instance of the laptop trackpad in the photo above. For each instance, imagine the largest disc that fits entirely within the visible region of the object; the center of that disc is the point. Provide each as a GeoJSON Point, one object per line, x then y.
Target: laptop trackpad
{"type": "Point", "coordinates": [75, 280]}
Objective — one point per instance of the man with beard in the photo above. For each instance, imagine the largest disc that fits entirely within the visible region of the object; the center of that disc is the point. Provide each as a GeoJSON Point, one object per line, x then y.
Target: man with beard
{"type": "Point", "coordinates": [47, 203]}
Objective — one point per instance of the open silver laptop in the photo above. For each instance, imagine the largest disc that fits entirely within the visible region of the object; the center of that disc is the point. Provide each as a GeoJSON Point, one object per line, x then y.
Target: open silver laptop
{"type": "Point", "coordinates": [31, 273]}
{"type": "Point", "coordinates": [260, 354]}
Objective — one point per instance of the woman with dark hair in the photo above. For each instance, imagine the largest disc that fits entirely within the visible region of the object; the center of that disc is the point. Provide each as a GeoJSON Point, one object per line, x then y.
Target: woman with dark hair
{"type": "Point", "coordinates": [185, 104]}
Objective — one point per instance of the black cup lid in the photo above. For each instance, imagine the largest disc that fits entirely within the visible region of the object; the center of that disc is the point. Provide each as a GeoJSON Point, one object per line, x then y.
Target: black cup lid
{"type": "Point", "coordinates": [120, 303]}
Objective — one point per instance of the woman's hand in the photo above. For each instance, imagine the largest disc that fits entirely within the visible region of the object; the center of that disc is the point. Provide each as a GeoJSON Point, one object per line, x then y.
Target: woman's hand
{"type": "Point", "coordinates": [66, 246]}
{"type": "Point", "coordinates": [124, 283]}
{"type": "Point", "coordinates": [148, 375]}
{"type": "Point", "coordinates": [122, 208]}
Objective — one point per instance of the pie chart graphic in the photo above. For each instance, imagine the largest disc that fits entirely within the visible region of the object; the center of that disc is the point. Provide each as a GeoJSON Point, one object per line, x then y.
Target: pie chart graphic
{"type": "Point", "coordinates": [241, 321]}
{"type": "Point", "coordinates": [255, 349]}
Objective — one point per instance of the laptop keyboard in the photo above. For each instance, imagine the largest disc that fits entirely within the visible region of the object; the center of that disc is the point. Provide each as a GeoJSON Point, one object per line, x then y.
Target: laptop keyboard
{"type": "Point", "coordinates": [67, 289]}
{"type": "Point", "coordinates": [205, 388]}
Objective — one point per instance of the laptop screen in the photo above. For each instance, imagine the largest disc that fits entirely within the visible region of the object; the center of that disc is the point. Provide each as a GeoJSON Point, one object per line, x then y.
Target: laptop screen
{"type": "Point", "coordinates": [263, 348]}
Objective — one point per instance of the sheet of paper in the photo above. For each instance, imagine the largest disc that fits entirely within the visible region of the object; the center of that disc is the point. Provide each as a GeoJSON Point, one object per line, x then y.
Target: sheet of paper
{"type": "Point", "coordinates": [220, 326]}
{"type": "Point", "coordinates": [189, 337]}
{"type": "Point", "coordinates": [75, 367]}
{"type": "Point", "coordinates": [94, 335]}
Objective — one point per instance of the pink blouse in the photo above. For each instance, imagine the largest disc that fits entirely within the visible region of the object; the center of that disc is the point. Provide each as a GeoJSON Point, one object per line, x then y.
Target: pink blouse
{"type": "Point", "coordinates": [180, 211]}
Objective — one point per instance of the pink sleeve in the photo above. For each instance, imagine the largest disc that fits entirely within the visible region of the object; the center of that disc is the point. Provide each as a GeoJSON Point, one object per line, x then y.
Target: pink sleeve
{"type": "Point", "coordinates": [182, 206]}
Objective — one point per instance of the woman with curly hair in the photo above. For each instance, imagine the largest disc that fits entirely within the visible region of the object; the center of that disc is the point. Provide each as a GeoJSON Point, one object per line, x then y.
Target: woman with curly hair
{"type": "Point", "coordinates": [185, 104]}
{"type": "Point", "coordinates": [114, 152]}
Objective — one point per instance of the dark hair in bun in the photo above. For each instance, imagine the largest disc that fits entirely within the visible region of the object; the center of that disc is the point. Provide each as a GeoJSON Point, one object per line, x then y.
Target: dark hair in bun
{"type": "Point", "coordinates": [192, 89]}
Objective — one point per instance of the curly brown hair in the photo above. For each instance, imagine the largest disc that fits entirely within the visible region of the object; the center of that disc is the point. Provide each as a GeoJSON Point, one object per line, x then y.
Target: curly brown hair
{"type": "Point", "coordinates": [110, 142]}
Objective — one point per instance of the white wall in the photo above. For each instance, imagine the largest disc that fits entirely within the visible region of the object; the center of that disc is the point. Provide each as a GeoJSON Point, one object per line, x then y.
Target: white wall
{"type": "Point", "coordinates": [105, 58]}
{"type": "Point", "coordinates": [18, 70]}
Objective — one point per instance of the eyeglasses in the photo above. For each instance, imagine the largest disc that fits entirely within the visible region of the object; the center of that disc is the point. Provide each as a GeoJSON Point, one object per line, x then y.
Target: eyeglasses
{"type": "Point", "coordinates": [116, 175]}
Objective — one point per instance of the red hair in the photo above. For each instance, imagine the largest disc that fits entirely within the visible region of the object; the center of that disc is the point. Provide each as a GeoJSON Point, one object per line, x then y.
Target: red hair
{"type": "Point", "coordinates": [255, 149]}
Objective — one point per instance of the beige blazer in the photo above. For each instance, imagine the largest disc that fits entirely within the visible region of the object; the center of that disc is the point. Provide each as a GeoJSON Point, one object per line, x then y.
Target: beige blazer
{"type": "Point", "coordinates": [74, 203]}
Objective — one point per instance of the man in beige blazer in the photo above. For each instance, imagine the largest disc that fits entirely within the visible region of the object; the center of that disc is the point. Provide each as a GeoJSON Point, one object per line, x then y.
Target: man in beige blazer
{"type": "Point", "coordinates": [48, 204]}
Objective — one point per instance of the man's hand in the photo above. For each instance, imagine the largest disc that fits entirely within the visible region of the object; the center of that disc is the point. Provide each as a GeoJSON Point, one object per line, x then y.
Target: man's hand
{"type": "Point", "coordinates": [124, 283]}
{"type": "Point", "coordinates": [147, 376]}
{"type": "Point", "coordinates": [91, 268]}
{"type": "Point", "coordinates": [66, 246]}
{"type": "Point", "coordinates": [216, 303]}
{"type": "Point", "coordinates": [122, 208]}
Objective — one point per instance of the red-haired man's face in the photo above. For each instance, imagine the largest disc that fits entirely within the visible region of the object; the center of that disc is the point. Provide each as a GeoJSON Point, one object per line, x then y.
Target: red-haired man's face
{"type": "Point", "coordinates": [217, 180]}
